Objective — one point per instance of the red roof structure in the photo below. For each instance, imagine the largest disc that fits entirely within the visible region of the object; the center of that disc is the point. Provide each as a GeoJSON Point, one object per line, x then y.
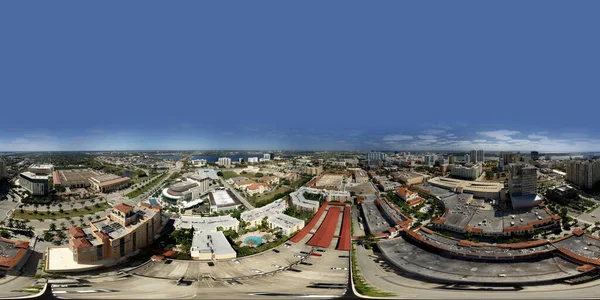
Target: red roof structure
{"type": "Point", "coordinates": [344, 241]}
{"type": "Point", "coordinates": [76, 232]}
{"type": "Point", "coordinates": [124, 208]}
{"type": "Point", "coordinates": [324, 235]}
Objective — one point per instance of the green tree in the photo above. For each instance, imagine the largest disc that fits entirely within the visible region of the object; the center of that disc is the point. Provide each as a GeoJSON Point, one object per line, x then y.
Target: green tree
{"type": "Point", "coordinates": [5, 234]}
{"type": "Point", "coordinates": [48, 236]}
{"type": "Point", "coordinates": [52, 227]}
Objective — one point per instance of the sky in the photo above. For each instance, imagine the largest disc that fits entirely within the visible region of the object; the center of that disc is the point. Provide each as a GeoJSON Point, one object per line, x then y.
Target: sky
{"type": "Point", "coordinates": [303, 75]}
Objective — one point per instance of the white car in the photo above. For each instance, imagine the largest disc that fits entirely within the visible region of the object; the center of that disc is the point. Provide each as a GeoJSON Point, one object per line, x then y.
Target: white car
{"type": "Point", "coordinates": [235, 261]}
{"type": "Point", "coordinates": [345, 269]}
{"type": "Point", "coordinates": [257, 271]}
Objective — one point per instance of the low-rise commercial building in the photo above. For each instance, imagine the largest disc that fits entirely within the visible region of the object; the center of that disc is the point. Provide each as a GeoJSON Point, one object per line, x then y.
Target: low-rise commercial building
{"type": "Point", "coordinates": [207, 224]}
{"type": "Point", "coordinates": [37, 185]}
{"type": "Point", "coordinates": [299, 202]}
{"type": "Point", "coordinates": [257, 188]}
{"type": "Point", "coordinates": [411, 198]}
{"type": "Point", "coordinates": [223, 200]}
{"type": "Point", "coordinates": [255, 216]}
{"type": "Point", "coordinates": [562, 194]}
{"type": "Point", "coordinates": [189, 190]}
{"type": "Point", "coordinates": [387, 186]}
{"type": "Point", "coordinates": [488, 190]}
{"type": "Point", "coordinates": [287, 224]}
{"type": "Point", "coordinates": [211, 246]}
{"type": "Point", "coordinates": [410, 178]}
{"type": "Point", "coordinates": [13, 255]}
{"type": "Point", "coordinates": [43, 169]}
{"type": "Point", "coordinates": [199, 162]}
{"type": "Point", "coordinates": [252, 160]}
{"type": "Point", "coordinates": [109, 183]}
{"type": "Point", "coordinates": [360, 176]}
{"type": "Point", "coordinates": [73, 178]}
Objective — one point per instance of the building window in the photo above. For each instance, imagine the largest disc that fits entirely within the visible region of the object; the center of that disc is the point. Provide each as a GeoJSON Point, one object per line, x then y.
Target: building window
{"type": "Point", "coordinates": [133, 247]}
{"type": "Point", "coordinates": [122, 246]}
{"type": "Point", "coordinates": [99, 252]}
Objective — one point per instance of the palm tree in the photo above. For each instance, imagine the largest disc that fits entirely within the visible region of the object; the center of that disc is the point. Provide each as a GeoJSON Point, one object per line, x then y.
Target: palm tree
{"type": "Point", "coordinates": [2, 223]}
{"type": "Point", "coordinates": [63, 226]}
{"type": "Point", "coordinates": [90, 218]}
{"type": "Point", "coordinates": [48, 208]}
{"type": "Point", "coordinates": [36, 207]}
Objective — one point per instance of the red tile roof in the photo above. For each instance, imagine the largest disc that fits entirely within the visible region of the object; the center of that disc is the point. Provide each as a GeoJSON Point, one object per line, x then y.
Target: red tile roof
{"type": "Point", "coordinates": [257, 185]}
{"type": "Point", "coordinates": [81, 243]}
{"type": "Point", "coordinates": [9, 262]}
{"type": "Point", "coordinates": [76, 232]}
{"type": "Point", "coordinates": [124, 208]}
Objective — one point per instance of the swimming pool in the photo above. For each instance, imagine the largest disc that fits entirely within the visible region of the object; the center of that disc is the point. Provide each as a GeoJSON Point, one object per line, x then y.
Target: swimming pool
{"type": "Point", "coordinates": [256, 239]}
{"type": "Point", "coordinates": [153, 202]}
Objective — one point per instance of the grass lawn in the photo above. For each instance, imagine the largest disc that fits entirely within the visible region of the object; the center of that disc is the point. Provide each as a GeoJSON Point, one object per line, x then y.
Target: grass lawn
{"type": "Point", "coordinates": [146, 187]}
{"type": "Point", "coordinates": [268, 196]}
{"type": "Point", "coordinates": [43, 214]}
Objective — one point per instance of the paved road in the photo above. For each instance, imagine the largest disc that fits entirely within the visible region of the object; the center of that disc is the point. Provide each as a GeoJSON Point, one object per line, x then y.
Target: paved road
{"type": "Point", "coordinates": [6, 206]}
{"type": "Point", "coordinates": [407, 288]}
{"type": "Point", "coordinates": [237, 194]}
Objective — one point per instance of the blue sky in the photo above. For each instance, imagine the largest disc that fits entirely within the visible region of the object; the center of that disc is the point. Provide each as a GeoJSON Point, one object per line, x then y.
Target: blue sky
{"type": "Point", "coordinates": [320, 75]}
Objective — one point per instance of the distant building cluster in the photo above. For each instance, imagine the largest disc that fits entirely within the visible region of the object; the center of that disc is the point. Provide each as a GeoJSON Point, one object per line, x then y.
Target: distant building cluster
{"type": "Point", "coordinates": [583, 173]}
{"type": "Point", "coordinates": [471, 172]}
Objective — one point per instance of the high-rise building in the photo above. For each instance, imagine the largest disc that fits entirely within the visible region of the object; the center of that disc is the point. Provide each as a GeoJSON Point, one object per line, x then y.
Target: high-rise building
{"type": "Point", "coordinates": [480, 156]}
{"type": "Point", "coordinates": [583, 173]}
{"type": "Point", "coordinates": [451, 159]}
{"type": "Point", "coordinates": [241, 160]}
{"type": "Point", "coordinates": [522, 185]}
{"type": "Point", "coordinates": [467, 158]}
{"type": "Point", "coordinates": [429, 159]}
{"type": "Point", "coordinates": [535, 155]}
{"type": "Point", "coordinates": [252, 159]}
{"type": "Point", "coordinates": [374, 158]}
{"type": "Point", "coordinates": [476, 156]}
{"type": "Point", "coordinates": [473, 156]}
{"type": "Point", "coordinates": [224, 161]}
{"type": "Point", "coordinates": [506, 158]}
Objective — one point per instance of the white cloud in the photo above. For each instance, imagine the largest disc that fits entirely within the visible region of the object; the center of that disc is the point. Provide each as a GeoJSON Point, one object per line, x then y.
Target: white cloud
{"type": "Point", "coordinates": [397, 137]}
{"type": "Point", "coordinates": [427, 137]}
{"type": "Point", "coordinates": [503, 135]}
{"type": "Point", "coordinates": [537, 137]}
{"type": "Point", "coordinates": [434, 131]}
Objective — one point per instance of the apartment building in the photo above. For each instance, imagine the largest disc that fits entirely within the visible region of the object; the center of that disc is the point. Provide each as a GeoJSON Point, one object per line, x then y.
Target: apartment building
{"type": "Point", "coordinates": [224, 161]}
{"type": "Point", "coordinates": [467, 172]}
{"type": "Point", "coordinates": [125, 230]}
{"type": "Point", "coordinates": [583, 173]}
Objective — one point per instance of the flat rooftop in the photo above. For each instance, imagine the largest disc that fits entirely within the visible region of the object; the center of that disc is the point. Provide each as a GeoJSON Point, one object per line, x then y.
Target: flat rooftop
{"type": "Point", "coordinates": [284, 221]}
{"type": "Point", "coordinates": [268, 210]}
{"type": "Point", "coordinates": [222, 198]}
{"type": "Point", "coordinates": [463, 210]}
{"type": "Point", "coordinates": [33, 176]}
{"type": "Point", "coordinates": [582, 245]}
{"type": "Point", "coordinates": [416, 260]}
{"type": "Point", "coordinates": [330, 180]}
{"type": "Point", "coordinates": [206, 224]}
{"type": "Point", "coordinates": [105, 177]}
{"type": "Point", "coordinates": [475, 186]}
{"type": "Point", "coordinates": [376, 222]}
{"type": "Point", "coordinates": [74, 177]}
{"type": "Point", "coordinates": [211, 242]}
{"type": "Point", "coordinates": [60, 259]}
{"type": "Point", "coordinates": [435, 191]}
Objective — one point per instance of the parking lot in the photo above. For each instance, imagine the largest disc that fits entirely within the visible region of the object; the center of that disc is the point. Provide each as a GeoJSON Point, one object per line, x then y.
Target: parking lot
{"type": "Point", "coordinates": [413, 259]}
